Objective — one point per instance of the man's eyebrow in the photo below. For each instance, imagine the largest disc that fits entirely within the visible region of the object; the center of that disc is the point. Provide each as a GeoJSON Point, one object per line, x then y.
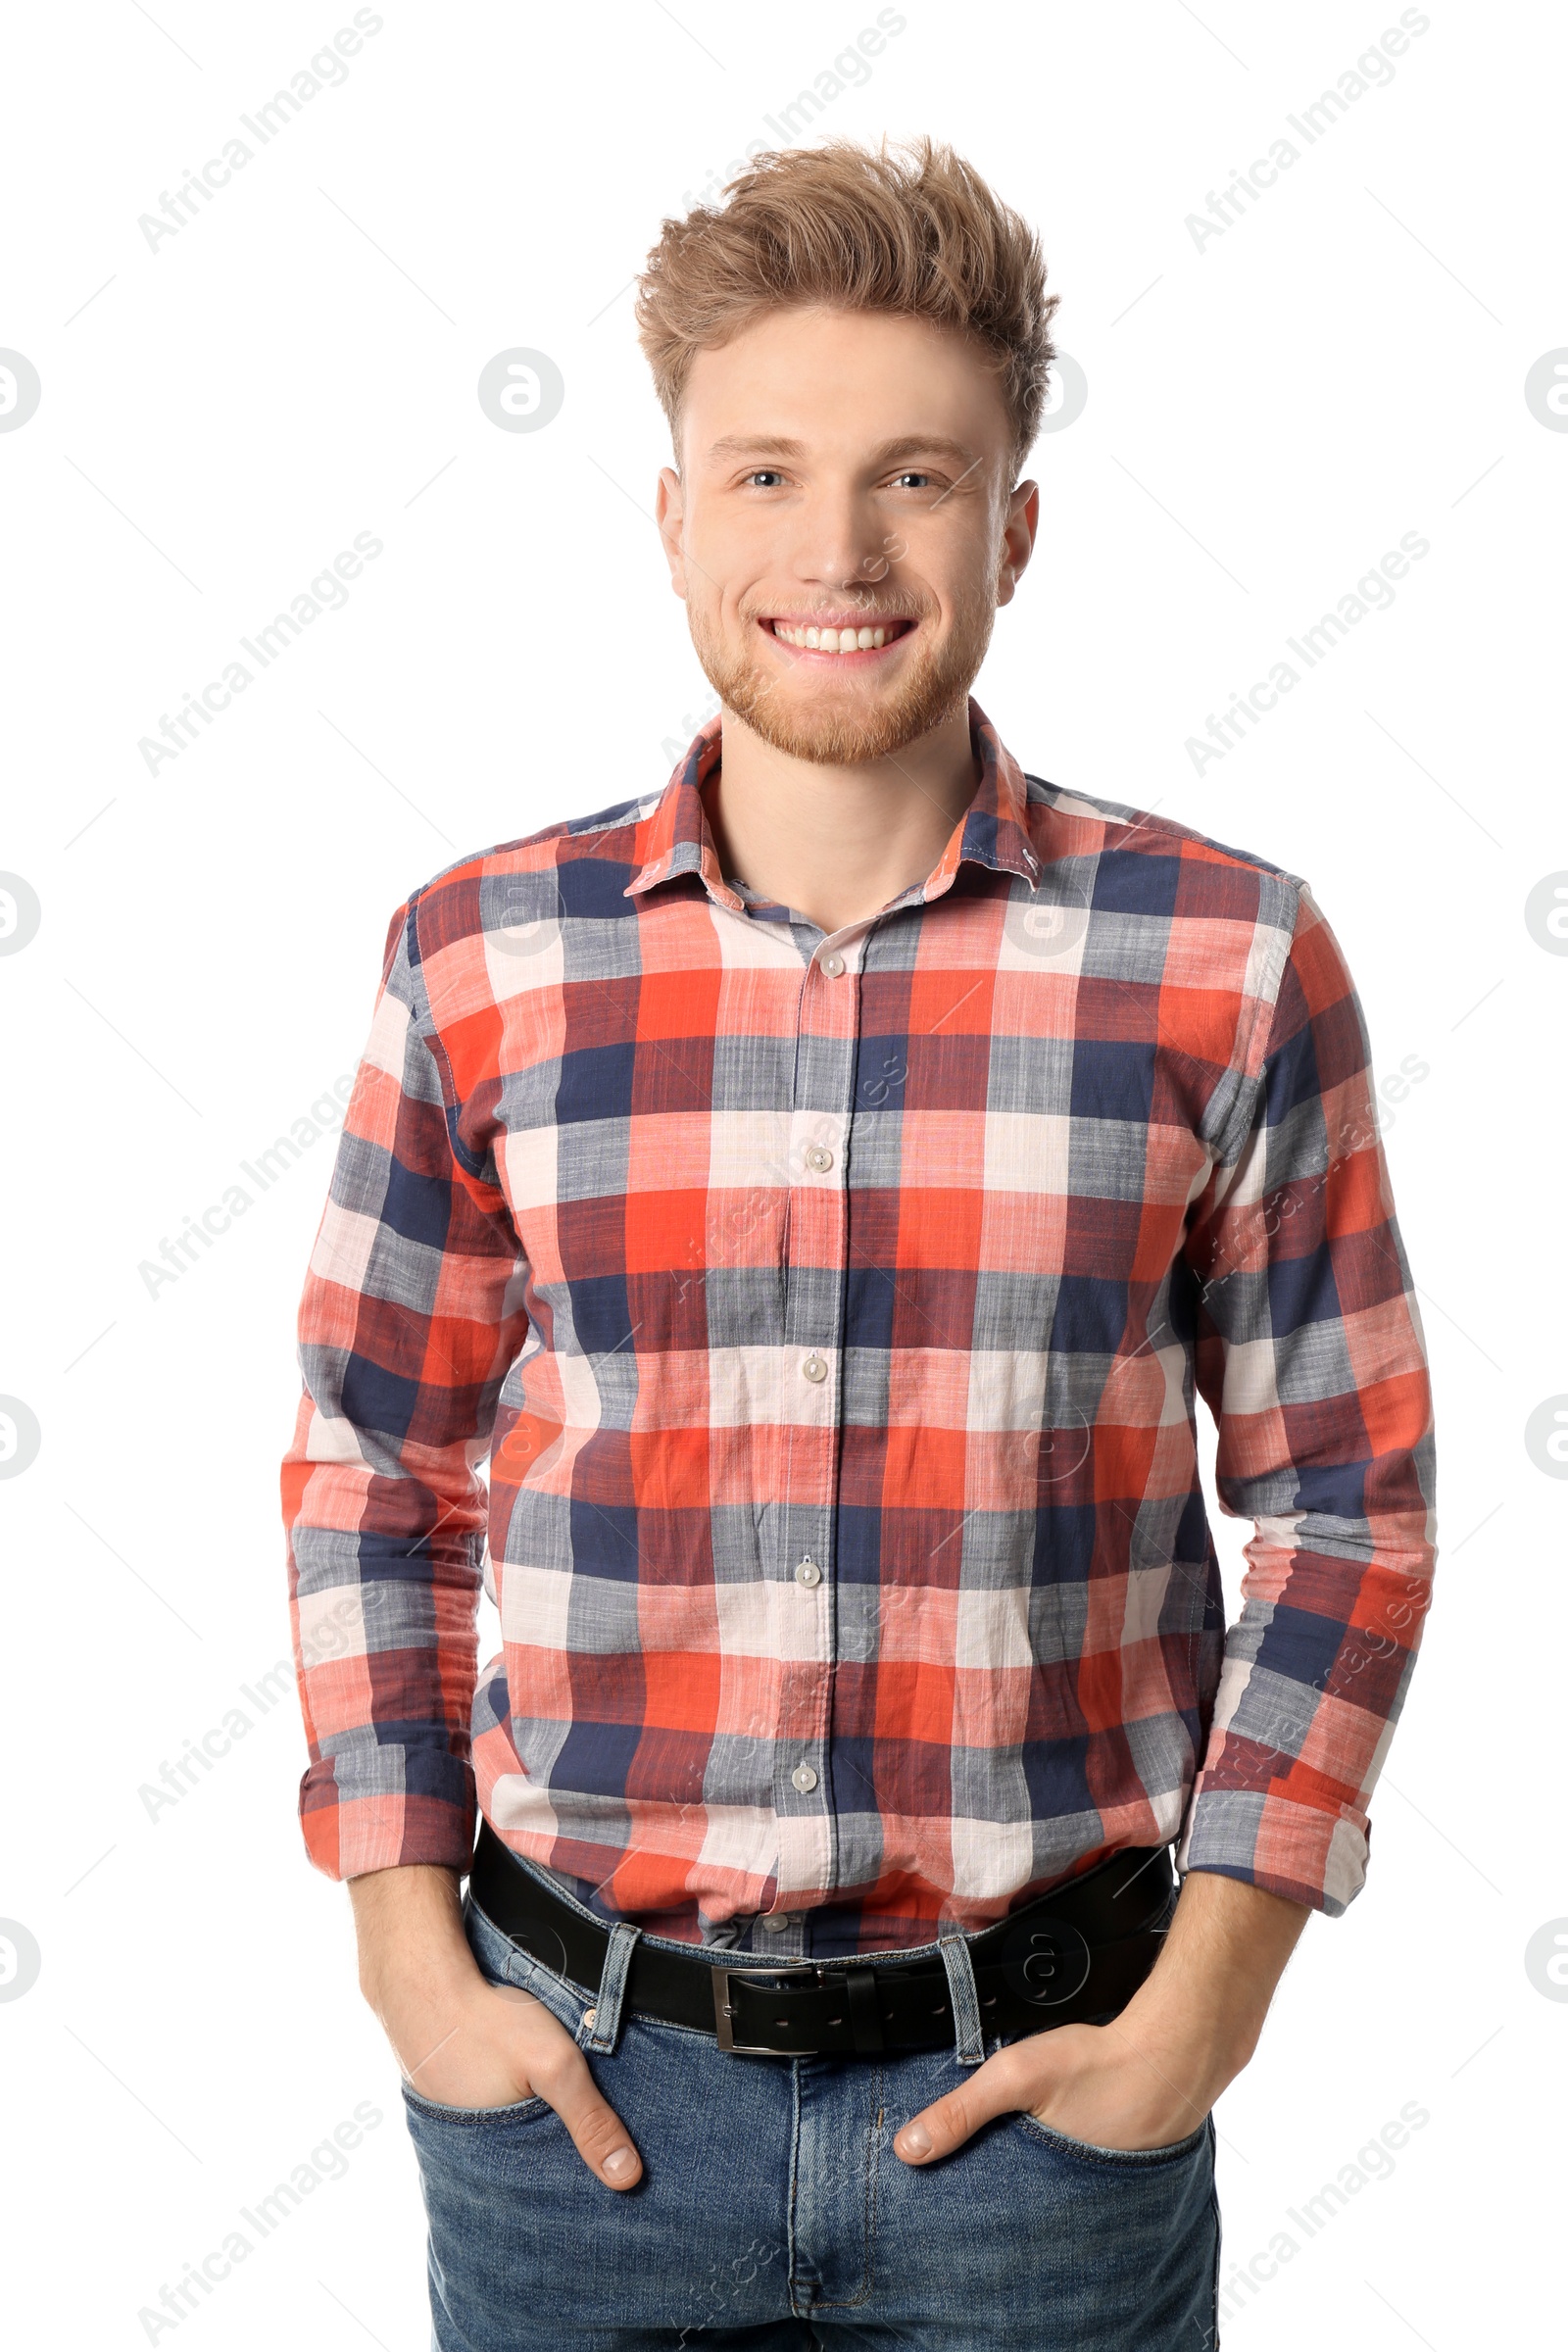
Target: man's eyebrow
{"type": "Point", "coordinates": [925, 445]}
{"type": "Point", "coordinates": [887, 453]}
{"type": "Point", "coordinates": [756, 445]}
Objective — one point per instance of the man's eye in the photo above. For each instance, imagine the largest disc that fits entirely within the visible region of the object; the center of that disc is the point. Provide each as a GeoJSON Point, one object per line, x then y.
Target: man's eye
{"type": "Point", "coordinates": [912, 481]}
{"type": "Point", "coordinates": [766, 475]}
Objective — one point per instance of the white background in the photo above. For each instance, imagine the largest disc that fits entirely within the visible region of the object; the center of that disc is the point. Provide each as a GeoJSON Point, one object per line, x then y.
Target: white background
{"type": "Point", "coordinates": [1268, 413]}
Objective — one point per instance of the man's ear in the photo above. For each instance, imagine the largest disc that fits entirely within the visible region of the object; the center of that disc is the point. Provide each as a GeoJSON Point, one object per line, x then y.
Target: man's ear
{"type": "Point", "coordinates": [669, 513]}
{"type": "Point", "coordinates": [1017, 538]}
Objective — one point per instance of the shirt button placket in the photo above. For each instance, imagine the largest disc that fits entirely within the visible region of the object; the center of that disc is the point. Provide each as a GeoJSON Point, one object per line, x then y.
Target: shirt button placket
{"type": "Point", "coordinates": [816, 1245]}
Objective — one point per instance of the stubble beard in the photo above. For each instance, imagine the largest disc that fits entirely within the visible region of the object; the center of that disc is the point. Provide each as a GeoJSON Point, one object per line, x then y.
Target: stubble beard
{"type": "Point", "coordinates": [838, 733]}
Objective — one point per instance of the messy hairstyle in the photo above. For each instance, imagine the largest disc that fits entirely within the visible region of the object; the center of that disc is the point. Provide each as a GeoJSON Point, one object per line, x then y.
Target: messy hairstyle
{"type": "Point", "coordinates": [914, 231]}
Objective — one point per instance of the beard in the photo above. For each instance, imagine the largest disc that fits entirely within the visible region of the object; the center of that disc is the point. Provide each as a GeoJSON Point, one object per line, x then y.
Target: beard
{"type": "Point", "coordinates": [844, 728]}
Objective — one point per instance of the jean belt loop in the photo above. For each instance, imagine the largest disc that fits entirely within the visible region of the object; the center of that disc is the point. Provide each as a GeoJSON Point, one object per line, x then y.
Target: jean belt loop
{"type": "Point", "coordinates": [965, 1996]}
{"type": "Point", "coordinates": [606, 2012]}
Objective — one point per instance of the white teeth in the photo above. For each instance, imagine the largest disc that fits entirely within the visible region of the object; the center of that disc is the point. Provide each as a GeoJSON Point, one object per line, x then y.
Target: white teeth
{"type": "Point", "coordinates": [831, 640]}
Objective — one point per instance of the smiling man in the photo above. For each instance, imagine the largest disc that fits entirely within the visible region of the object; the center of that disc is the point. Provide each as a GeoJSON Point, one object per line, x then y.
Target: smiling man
{"type": "Point", "coordinates": [823, 1188]}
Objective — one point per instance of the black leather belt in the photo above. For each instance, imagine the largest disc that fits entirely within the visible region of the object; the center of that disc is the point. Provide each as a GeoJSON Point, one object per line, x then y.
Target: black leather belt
{"type": "Point", "coordinates": [1073, 1956]}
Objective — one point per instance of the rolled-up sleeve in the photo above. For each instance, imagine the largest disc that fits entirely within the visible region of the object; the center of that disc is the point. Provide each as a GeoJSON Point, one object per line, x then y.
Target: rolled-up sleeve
{"type": "Point", "coordinates": [1309, 1354]}
{"type": "Point", "coordinates": [410, 1316]}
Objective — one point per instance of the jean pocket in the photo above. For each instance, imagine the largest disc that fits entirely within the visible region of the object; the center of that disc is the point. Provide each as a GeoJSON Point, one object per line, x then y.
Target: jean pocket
{"type": "Point", "coordinates": [1084, 2151]}
{"type": "Point", "coordinates": [517, 2111]}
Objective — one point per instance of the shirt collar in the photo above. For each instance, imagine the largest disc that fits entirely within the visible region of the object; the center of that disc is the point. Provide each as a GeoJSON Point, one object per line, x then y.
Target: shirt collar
{"type": "Point", "coordinates": [992, 831]}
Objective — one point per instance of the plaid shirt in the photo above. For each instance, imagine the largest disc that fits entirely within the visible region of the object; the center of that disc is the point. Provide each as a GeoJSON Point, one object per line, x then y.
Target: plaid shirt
{"type": "Point", "coordinates": [832, 1312]}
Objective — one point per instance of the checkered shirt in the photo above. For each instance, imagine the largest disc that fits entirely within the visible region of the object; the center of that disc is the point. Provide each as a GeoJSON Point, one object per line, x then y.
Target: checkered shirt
{"type": "Point", "coordinates": [832, 1313]}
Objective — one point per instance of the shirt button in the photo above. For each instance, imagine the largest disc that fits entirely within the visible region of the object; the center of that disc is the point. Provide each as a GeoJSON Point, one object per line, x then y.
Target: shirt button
{"type": "Point", "coordinates": [777, 1921]}
{"type": "Point", "coordinates": [833, 965]}
{"type": "Point", "coordinates": [814, 1368]}
{"type": "Point", "coordinates": [808, 1573]}
{"type": "Point", "coordinates": [819, 1160]}
{"type": "Point", "coordinates": [804, 1778]}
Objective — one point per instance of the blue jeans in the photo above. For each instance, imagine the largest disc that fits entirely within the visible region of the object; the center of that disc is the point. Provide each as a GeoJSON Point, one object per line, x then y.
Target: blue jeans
{"type": "Point", "coordinates": [772, 2214]}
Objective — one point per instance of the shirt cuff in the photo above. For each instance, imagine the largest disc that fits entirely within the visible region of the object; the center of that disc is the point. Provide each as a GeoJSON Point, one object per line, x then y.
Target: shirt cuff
{"type": "Point", "coordinates": [349, 1829]}
{"type": "Point", "coordinates": [1277, 1844]}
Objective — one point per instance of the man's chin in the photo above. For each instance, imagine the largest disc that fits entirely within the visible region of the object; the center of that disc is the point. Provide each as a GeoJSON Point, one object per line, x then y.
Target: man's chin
{"type": "Point", "coordinates": [844, 738]}
{"type": "Point", "coordinates": [839, 729]}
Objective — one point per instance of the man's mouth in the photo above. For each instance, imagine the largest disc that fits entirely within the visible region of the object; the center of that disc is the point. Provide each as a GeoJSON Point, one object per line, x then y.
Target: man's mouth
{"type": "Point", "coordinates": [861, 638]}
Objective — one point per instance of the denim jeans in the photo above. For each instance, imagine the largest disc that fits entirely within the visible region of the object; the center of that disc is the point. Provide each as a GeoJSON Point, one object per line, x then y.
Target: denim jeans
{"type": "Point", "coordinates": [772, 2214]}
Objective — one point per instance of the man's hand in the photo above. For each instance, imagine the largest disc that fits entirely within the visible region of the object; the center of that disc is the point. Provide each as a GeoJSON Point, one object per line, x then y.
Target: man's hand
{"type": "Point", "coordinates": [461, 2040]}
{"type": "Point", "coordinates": [1148, 2078]}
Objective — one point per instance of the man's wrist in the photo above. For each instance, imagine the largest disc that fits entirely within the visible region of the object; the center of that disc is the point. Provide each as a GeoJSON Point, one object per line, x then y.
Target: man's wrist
{"type": "Point", "coordinates": [1201, 2009]}
{"type": "Point", "coordinates": [409, 1922]}
{"type": "Point", "coordinates": [1192, 2044]}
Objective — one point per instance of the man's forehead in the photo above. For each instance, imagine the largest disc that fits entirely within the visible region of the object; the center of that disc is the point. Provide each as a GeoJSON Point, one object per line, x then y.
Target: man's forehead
{"type": "Point", "coordinates": [826, 380]}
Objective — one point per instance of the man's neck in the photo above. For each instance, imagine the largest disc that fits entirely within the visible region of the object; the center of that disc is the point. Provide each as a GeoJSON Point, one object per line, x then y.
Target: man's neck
{"type": "Point", "coordinates": [837, 844]}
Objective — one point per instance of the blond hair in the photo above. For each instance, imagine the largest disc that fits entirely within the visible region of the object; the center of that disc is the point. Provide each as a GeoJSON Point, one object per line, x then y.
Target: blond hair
{"type": "Point", "coordinates": [912, 230]}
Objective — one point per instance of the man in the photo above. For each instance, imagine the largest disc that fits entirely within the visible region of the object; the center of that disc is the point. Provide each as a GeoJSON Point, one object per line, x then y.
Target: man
{"type": "Point", "coordinates": [822, 1189]}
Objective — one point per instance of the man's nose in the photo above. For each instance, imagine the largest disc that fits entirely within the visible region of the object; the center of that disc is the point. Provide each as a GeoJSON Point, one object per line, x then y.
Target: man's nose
{"type": "Point", "coordinates": [841, 543]}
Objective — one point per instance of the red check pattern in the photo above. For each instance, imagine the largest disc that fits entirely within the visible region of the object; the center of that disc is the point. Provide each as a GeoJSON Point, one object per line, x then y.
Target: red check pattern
{"type": "Point", "coordinates": [833, 1315]}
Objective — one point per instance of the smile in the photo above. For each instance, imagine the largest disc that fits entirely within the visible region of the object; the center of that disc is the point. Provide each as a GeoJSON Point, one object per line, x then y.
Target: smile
{"type": "Point", "coordinates": [857, 637]}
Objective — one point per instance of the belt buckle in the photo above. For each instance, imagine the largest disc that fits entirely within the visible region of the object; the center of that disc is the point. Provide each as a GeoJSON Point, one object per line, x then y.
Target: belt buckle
{"type": "Point", "coordinates": [724, 2015]}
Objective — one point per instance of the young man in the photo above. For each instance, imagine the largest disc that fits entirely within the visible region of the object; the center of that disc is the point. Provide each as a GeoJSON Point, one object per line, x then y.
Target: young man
{"type": "Point", "coordinates": [822, 1189]}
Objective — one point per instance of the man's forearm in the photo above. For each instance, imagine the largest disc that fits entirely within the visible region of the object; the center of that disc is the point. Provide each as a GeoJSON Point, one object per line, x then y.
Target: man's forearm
{"type": "Point", "coordinates": [409, 1925]}
{"type": "Point", "coordinates": [1200, 2010]}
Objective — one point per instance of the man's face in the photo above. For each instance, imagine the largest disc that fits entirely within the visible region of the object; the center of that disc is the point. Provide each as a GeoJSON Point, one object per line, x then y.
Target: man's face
{"type": "Point", "coordinates": [846, 478]}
